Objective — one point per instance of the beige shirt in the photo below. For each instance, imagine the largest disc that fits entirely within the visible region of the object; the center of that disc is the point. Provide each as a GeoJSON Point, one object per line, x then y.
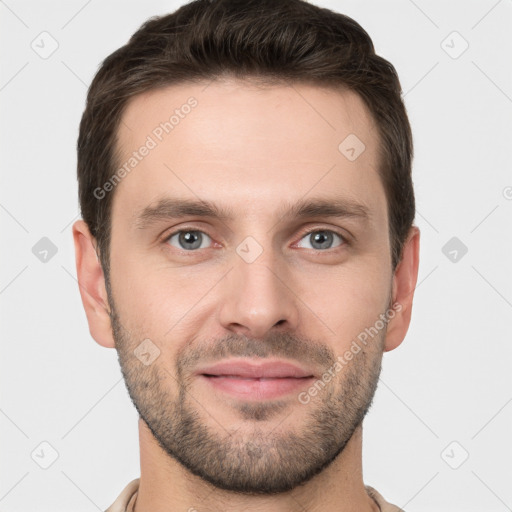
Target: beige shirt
{"type": "Point", "coordinates": [126, 500]}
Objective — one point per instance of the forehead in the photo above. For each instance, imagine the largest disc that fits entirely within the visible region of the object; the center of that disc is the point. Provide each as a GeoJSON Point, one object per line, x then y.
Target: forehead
{"type": "Point", "coordinates": [246, 146]}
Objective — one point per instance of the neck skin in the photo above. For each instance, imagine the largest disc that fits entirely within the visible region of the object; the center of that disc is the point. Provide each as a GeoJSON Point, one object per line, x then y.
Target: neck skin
{"type": "Point", "coordinates": [165, 484]}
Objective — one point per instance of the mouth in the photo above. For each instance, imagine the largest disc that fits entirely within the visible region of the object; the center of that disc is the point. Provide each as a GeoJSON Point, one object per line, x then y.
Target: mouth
{"type": "Point", "coordinates": [255, 381]}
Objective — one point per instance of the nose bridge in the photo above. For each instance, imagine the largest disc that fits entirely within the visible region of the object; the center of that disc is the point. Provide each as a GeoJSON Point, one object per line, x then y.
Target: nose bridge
{"type": "Point", "coordinates": [256, 298]}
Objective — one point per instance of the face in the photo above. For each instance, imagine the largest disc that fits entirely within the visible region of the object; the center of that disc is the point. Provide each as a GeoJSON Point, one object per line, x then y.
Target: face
{"type": "Point", "coordinates": [234, 316]}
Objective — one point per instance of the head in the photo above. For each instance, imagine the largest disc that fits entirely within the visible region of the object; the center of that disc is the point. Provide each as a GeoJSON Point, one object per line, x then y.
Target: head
{"type": "Point", "coordinates": [245, 184]}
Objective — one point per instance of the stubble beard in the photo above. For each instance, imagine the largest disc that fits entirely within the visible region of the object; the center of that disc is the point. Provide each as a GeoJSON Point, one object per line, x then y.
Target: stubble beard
{"type": "Point", "coordinates": [260, 460]}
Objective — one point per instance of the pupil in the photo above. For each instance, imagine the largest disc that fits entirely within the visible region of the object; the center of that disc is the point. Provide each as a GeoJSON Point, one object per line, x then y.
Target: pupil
{"type": "Point", "coordinates": [323, 239]}
{"type": "Point", "coordinates": [190, 238]}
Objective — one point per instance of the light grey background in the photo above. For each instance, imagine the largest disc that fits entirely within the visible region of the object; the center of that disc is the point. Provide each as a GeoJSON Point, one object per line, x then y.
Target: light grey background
{"type": "Point", "coordinates": [449, 381]}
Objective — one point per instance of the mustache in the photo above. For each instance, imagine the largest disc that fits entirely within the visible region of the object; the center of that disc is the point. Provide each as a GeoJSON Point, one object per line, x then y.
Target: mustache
{"type": "Point", "coordinates": [276, 344]}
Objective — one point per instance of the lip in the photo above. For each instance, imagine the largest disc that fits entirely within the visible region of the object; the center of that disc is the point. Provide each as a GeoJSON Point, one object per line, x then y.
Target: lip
{"type": "Point", "coordinates": [255, 381]}
{"type": "Point", "coordinates": [255, 370]}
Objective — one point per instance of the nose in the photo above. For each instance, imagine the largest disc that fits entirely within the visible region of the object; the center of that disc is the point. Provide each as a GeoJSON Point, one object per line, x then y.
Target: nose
{"type": "Point", "coordinates": [259, 296]}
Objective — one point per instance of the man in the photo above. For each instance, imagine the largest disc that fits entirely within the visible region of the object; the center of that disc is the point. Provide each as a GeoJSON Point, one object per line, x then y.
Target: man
{"type": "Point", "coordinates": [248, 249]}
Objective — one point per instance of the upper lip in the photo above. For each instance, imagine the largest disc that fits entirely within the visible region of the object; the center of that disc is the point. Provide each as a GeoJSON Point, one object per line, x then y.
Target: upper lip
{"type": "Point", "coordinates": [255, 370]}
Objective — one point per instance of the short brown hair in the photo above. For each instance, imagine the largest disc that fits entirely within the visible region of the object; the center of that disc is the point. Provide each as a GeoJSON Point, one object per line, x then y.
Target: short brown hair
{"type": "Point", "coordinates": [285, 41]}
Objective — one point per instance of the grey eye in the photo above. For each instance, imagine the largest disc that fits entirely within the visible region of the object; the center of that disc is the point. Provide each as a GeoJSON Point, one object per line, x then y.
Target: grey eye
{"type": "Point", "coordinates": [189, 239]}
{"type": "Point", "coordinates": [321, 239]}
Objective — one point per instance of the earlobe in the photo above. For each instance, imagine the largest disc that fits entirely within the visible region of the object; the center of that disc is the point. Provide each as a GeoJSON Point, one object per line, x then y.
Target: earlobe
{"type": "Point", "coordinates": [91, 283]}
{"type": "Point", "coordinates": [404, 284]}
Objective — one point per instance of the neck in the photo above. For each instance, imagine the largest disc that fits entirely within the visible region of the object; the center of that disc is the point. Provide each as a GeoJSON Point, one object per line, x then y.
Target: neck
{"type": "Point", "coordinates": [165, 484]}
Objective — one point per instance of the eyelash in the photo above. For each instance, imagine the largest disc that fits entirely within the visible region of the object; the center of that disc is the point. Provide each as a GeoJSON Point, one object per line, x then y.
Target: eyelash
{"type": "Point", "coordinates": [345, 241]}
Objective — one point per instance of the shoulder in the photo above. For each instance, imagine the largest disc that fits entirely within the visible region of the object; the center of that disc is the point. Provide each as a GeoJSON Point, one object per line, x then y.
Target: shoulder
{"type": "Point", "coordinates": [383, 504]}
{"type": "Point", "coordinates": [125, 499]}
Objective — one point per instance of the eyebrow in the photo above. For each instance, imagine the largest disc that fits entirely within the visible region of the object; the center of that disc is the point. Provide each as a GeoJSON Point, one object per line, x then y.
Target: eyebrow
{"type": "Point", "coordinates": [168, 208]}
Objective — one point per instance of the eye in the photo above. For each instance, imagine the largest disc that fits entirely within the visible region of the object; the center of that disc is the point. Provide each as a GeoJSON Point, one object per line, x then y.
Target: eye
{"type": "Point", "coordinates": [322, 239]}
{"type": "Point", "coordinates": [189, 239]}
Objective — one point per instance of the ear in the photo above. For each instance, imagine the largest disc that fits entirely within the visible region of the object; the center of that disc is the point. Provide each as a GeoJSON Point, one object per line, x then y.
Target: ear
{"type": "Point", "coordinates": [404, 284]}
{"type": "Point", "coordinates": [91, 282]}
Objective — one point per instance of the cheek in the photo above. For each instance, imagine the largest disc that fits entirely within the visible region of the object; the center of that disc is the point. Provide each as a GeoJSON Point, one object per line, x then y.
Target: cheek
{"type": "Point", "coordinates": [159, 300]}
{"type": "Point", "coordinates": [348, 301]}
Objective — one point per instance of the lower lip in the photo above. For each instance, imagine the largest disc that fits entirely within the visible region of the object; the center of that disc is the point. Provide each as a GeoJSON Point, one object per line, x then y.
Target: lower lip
{"type": "Point", "coordinates": [258, 389]}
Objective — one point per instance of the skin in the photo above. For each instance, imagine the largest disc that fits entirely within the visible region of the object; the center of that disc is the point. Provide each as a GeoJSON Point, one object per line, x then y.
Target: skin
{"type": "Point", "coordinates": [250, 149]}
